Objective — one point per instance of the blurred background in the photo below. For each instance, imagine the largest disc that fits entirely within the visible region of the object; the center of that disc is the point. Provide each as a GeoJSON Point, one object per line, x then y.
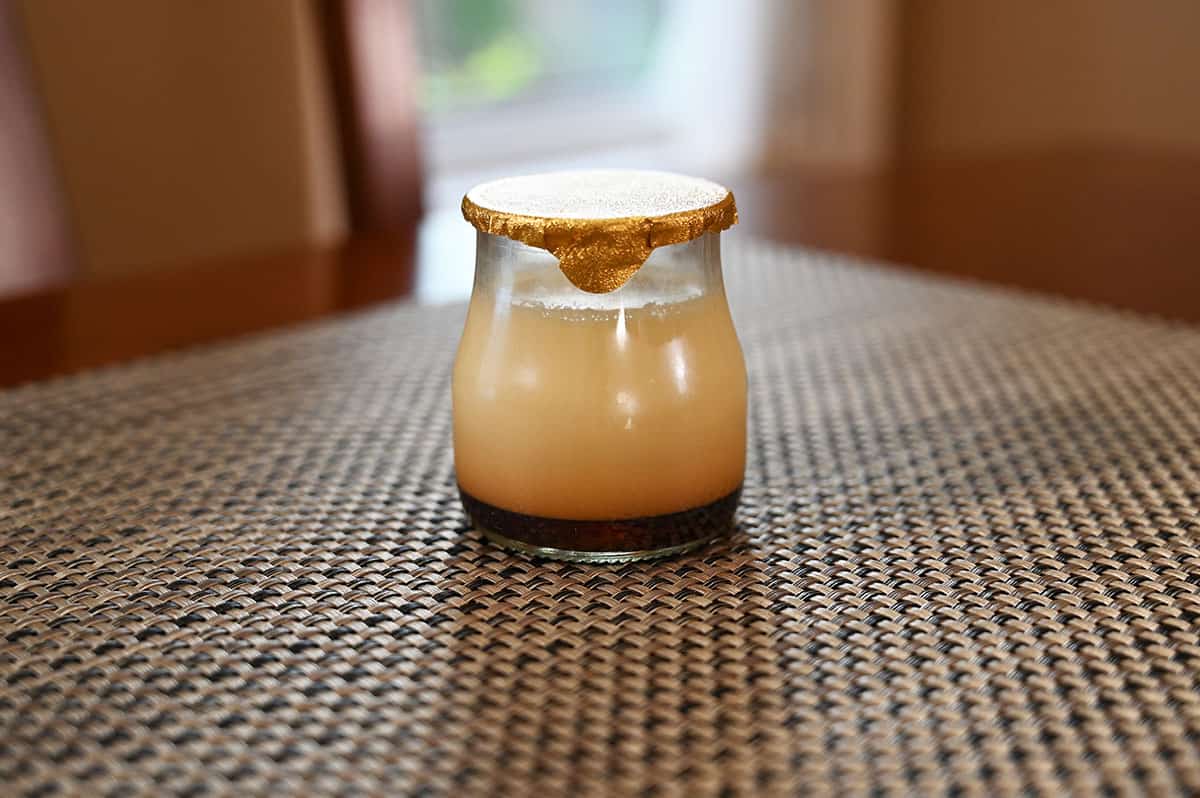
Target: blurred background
{"type": "Point", "coordinates": [173, 171]}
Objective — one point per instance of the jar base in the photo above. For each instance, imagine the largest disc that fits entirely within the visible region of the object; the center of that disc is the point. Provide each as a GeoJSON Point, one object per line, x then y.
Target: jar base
{"type": "Point", "coordinates": [615, 541]}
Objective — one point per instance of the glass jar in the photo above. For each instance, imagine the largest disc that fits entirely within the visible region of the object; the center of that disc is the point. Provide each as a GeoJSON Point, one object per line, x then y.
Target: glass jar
{"type": "Point", "coordinates": [599, 389]}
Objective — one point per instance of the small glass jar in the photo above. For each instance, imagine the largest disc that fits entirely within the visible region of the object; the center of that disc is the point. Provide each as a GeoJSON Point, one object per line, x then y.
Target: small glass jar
{"type": "Point", "coordinates": [599, 388]}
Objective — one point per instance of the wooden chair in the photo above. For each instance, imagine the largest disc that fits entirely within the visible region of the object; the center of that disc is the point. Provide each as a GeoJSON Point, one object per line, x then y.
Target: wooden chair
{"type": "Point", "coordinates": [52, 321]}
{"type": "Point", "coordinates": [369, 47]}
{"type": "Point", "coordinates": [36, 249]}
{"type": "Point", "coordinates": [180, 168]}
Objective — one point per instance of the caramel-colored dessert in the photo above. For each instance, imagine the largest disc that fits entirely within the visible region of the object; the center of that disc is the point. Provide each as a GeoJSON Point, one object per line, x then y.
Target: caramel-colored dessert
{"type": "Point", "coordinates": [625, 414]}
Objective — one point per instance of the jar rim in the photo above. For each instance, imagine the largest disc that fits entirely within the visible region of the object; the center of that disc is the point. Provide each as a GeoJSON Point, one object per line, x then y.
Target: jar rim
{"type": "Point", "coordinates": [600, 224]}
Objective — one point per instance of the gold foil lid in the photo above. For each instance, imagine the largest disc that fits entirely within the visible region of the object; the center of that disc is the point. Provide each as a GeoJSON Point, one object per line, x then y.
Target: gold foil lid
{"type": "Point", "coordinates": [600, 224]}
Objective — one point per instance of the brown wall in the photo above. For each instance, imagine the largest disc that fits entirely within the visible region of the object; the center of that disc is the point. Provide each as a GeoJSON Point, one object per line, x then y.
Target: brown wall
{"type": "Point", "coordinates": [186, 130]}
{"type": "Point", "coordinates": [986, 75]}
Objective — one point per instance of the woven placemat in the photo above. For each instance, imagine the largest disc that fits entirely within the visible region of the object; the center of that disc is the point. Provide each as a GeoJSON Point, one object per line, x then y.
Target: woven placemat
{"type": "Point", "coordinates": [968, 562]}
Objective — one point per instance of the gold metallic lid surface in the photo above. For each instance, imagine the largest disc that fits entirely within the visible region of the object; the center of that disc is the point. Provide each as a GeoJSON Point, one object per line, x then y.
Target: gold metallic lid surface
{"type": "Point", "coordinates": [601, 224]}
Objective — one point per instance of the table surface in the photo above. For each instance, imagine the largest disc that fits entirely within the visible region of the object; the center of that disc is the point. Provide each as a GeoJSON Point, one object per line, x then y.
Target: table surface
{"type": "Point", "coordinates": [966, 563]}
{"type": "Point", "coordinates": [1111, 225]}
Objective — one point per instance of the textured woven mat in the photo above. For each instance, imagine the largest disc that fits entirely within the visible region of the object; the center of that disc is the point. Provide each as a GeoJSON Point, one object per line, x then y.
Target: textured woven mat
{"type": "Point", "coordinates": [968, 563]}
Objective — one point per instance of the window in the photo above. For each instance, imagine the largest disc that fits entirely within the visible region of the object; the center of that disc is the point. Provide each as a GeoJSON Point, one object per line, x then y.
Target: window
{"type": "Point", "coordinates": [527, 85]}
{"type": "Point", "coordinates": [511, 84]}
{"type": "Point", "coordinates": [477, 54]}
